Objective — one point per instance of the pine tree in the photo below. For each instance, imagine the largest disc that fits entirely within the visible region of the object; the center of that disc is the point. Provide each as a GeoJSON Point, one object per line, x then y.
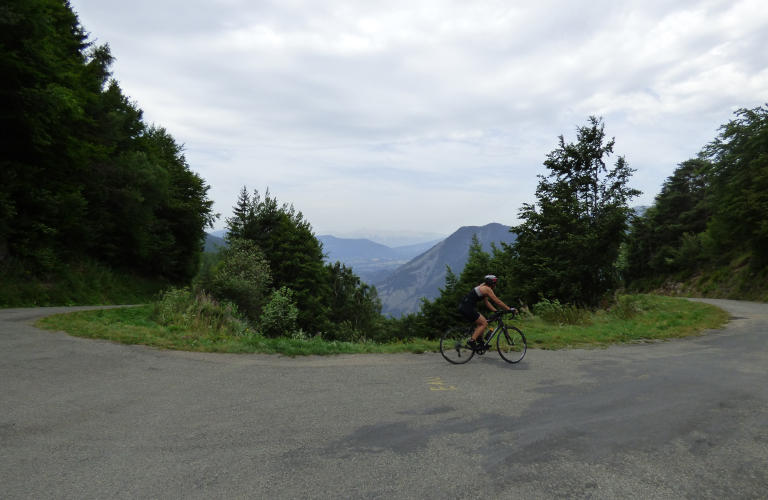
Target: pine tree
{"type": "Point", "coordinates": [739, 178]}
{"type": "Point", "coordinates": [81, 174]}
{"type": "Point", "coordinates": [568, 242]}
{"type": "Point", "coordinates": [681, 208]}
{"type": "Point", "coordinates": [294, 254]}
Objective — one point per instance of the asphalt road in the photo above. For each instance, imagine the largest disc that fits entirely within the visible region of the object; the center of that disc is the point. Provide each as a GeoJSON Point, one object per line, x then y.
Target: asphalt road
{"type": "Point", "coordinates": [85, 419]}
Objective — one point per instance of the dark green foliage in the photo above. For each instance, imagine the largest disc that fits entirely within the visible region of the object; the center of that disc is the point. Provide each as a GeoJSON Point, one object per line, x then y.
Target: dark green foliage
{"type": "Point", "coordinates": [294, 255]}
{"type": "Point", "coordinates": [408, 326]}
{"type": "Point", "coordinates": [569, 241]}
{"type": "Point", "coordinates": [81, 175]}
{"type": "Point", "coordinates": [209, 265]}
{"type": "Point", "coordinates": [353, 301]}
{"type": "Point", "coordinates": [739, 180]}
{"type": "Point", "coordinates": [242, 277]}
{"type": "Point", "coordinates": [441, 313]}
{"type": "Point", "coordinates": [664, 237]}
{"type": "Point", "coordinates": [78, 283]}
{"type": "Point", "coordinates": [330, 298]}
{"type": "Point", "coordinates": [712, 213]}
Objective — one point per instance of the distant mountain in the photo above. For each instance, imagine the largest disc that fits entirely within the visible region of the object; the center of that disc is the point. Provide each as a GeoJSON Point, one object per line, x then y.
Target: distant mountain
{"type": "Point", "coordinates": [211, 241]}
{"type": "Point", "coordinates": [371, 261]}
{"type": "Point", "coordinates": [219, 233]}
{"type": "Point", "coordinates": [401, 291]}
{"type": "Point", "coordinates": [392, 239]}
{"type": "Point", "coordinates": [354, 250]}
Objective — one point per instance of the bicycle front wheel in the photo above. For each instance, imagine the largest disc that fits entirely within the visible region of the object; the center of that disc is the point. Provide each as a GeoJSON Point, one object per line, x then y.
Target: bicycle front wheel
{"type": "Point", "coordinates": [511, 344]}
{"type": "Point", "coordinates": [453, 346]}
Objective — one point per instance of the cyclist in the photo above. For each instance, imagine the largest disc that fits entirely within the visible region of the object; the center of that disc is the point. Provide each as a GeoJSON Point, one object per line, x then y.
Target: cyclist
{"type": "Point", "coordinates": [483, 291]}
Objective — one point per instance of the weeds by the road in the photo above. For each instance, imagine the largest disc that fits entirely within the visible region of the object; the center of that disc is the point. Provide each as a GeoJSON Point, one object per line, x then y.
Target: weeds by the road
{"type": "Point", "coordinates": [134, 326]}
{"type": "Point", "coordinates": [632, 319]}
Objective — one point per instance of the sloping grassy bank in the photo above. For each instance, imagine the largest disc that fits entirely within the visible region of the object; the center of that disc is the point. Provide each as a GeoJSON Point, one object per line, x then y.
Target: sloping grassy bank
{"type": "Point", "coordinates": [737, 280]}
{"type": "Point", "coordinates": [640, 318]}
{"type": "Point", "coordinates": [636, 318]}
{"type": "Point", "coordinates": [135, 326]}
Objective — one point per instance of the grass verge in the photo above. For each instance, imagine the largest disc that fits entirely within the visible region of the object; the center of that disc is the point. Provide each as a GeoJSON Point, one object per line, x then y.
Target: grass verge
{"type": "Point", "coordinates": [655, 318]}
{"type": "Point", "coordinates": [134, 326]}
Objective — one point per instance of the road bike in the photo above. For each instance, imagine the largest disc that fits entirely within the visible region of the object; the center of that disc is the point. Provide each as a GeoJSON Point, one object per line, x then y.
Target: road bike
{"type": "Point", "coordinates": [510, 341]}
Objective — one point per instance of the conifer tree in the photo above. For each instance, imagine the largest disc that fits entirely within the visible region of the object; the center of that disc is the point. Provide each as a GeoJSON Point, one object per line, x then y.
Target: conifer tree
{"type": "Point", "coordinates": [295, 256]}
{"type": "Point", "coordinates": [681, 208]}
{"type": "Point", "coordinates": [81, 174]}
{"type": "Point", "coordinates": [739, 183]}
{"type": "Point", "coordinates": [568, 242]}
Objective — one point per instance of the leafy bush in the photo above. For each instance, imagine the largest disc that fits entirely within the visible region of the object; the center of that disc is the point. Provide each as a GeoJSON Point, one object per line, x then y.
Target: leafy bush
{"type": "Point", "coordinates": [278, 319]}
{"type": "Point", "coordinates": [197, 312]}
{"type": "Point", "coordinates": [242, 277]}
{"type": "Point", "coordinates": [562, 314]}
{"type": "Point", "coordinates": [346, 332]}
{"type": "Point", "coordinates": [627, 307]}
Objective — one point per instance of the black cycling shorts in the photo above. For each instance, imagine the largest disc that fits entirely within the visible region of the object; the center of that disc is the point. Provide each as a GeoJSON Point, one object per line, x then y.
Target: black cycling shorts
{"type": "Point", "coordinates": [468, 312]}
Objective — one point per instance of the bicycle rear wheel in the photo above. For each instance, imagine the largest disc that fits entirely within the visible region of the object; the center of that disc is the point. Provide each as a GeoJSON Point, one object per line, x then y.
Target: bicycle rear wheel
{"type": "Point", "coordinates": [511, 344]}
{"type": "Point", "coordinates": [453, 345]}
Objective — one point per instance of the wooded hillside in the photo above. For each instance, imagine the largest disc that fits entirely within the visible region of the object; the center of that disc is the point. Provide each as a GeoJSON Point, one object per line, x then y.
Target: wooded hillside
{"type": "Point", "coordinates": [710, 220]}
{"type": "Point", "coordinates": [82, 176]}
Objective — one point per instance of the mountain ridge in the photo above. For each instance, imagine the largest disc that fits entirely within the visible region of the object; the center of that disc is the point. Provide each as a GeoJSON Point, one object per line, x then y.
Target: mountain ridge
{"type": "Point", "coordinates": [423, 276]}
{"type": "Point", "coordinates": [370, 260]}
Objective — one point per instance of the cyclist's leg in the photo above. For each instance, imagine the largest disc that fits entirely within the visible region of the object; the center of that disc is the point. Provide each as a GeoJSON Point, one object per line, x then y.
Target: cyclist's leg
{"type": "Point", "coordinates": [482, 324]}
{"type": "Point", "coordinates": [474, 318]}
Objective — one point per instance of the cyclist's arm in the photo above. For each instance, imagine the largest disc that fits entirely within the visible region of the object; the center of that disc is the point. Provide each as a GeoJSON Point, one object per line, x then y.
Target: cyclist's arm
{"type": "Point", "coordinates": [492, 296]}
{"type": "Point", "coordinates": [488, 304]}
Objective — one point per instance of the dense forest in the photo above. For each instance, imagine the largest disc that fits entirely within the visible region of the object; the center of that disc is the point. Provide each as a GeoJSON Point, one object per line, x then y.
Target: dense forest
{"type": "Point", "coordinates": [707, 231]}
{"type": "Point", "coordinates": [86, 186]}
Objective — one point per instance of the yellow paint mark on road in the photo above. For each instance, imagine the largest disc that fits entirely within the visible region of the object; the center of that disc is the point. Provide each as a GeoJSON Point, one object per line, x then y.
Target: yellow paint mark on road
{"type": "Point", "coordinates": [437, 384]}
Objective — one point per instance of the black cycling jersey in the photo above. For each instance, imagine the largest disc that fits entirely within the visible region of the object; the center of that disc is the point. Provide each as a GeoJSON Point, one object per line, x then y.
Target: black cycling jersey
{"type": "Point", "coordinates": [467, 306]}
{"type": "Point", "coordinates": [473, 297]}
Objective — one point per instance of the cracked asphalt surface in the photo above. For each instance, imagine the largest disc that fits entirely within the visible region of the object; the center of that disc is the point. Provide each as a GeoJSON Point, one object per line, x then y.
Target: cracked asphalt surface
{"type": "Point", "coordinates": [83, 419]}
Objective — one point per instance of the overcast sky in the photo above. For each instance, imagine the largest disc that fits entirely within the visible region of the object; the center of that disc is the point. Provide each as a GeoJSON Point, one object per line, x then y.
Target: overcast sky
{"type": "Point", "coordinates": [430, 115]}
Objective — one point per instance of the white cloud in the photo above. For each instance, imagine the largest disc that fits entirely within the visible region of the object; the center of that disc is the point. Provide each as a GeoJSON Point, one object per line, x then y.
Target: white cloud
{"type": "Point", "coordinates": [404, 115]}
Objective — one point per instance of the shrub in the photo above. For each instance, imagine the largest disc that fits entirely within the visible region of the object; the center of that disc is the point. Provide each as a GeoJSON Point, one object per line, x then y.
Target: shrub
{"type": "Point", "coordinates": [197, 312]}
{"type": "Point", "coordinates": [242, 277]}
{"type": "Point", "coordinates": [346, 332]}
{"type": "Point", "coordinates": [562, 314]}
{"type": "Point", "coordinates": [626, 307]}
{"type": "Point", "coordinates": [278, 318]}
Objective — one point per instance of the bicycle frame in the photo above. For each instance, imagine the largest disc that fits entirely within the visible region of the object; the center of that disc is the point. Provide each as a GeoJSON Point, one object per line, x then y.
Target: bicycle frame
{"type": "Point", "coordinates": [500, 325]}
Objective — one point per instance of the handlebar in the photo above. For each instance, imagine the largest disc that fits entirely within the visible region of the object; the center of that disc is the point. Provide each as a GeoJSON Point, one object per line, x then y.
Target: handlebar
{"type": "Point", "coordinates": [499, 314]}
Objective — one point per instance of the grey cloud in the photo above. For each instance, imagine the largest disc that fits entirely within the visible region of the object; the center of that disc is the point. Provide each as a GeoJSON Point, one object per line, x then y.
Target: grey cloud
{"type": "Point", "coordinates": [298, 94]}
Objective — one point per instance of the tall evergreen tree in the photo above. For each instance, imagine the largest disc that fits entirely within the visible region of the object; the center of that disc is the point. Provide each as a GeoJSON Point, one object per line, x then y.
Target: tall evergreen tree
{"type": "Point", "coordinates": [739, 178]}
{"type": "Point", "coordinates": [80, 172]}
{"type": "Point", "coordinates": [294, 254]}
{"type": "Point", "coordinates": [681, 208]}
{"type": "Point", "coordinates": [568, 242]}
